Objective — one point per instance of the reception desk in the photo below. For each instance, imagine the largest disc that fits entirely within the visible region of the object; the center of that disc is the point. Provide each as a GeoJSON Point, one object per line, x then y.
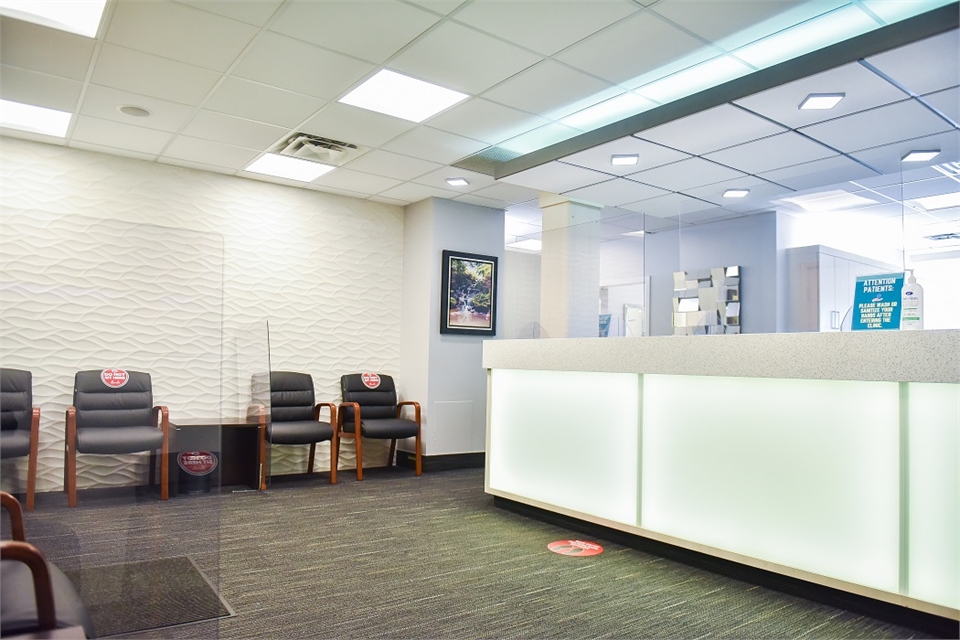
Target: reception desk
{"type": "Point", "coordinates": [829, 457]}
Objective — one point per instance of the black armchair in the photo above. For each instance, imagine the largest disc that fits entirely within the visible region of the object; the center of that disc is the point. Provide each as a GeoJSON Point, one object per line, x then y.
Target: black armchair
{"type": "Point", "coordinates": [113, 413]}
{"type": "Point", "coordinates": [295, 419]}
{"type": "Point", "coordinates": [370, 410]}
{"type": "Point", "coordinates": [35, 596]}
{"type": "Point", "coordinates": [19, 423]}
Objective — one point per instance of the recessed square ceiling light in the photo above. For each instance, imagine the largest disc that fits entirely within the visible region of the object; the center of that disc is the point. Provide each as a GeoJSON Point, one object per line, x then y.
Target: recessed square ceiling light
{"type": "Point", "coordinates": [635, 234]}
{"type": "Point", "coordinates": [279, 166]}
{"type": "Point", "coordinates": [622, 160]}
{"type": "Point", "coordinates": [944, 201]}
{"type": "Point", "coordinates": [26, 117]}
{"type": "Point", "coordinates": [76, 16]}
{"type": "Point", "coordinates": [822, 100]}
{"type": "Point", "coordinates": [526, 245]}
{"type": "Point", "coordinates": [457, 182]}
{"type": "Point", "coordinates": [736, 193]}
{"type": "Point", "coordinates": [401, 96]}
{"type": "Point", "coordinates": [920, 156]}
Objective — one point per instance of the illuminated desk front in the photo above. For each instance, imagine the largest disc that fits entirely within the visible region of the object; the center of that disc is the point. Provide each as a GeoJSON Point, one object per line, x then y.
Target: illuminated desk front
{"type": "Point", "coordinates": [830, 457]}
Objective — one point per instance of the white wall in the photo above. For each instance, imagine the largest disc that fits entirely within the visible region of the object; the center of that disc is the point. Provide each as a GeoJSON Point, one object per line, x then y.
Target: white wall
{"type": "Point", "coordinates": [444, 371]}
{"type": "Point", "coordinates": [940, 279]}
{"type": "Point", "coordinates": [324, 270]}
{"type": "Point", "coordinates": [520, 294]}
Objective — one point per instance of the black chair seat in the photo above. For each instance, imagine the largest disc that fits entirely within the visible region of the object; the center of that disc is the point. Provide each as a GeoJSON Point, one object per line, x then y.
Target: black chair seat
{"type": "Point", "coordinates": [299, 432]}
{"type": "Point", "coordinates": [118, 440]}
{"type": "Point", "coordinates": [388, 428]}
{"type": "Point", "coordinates": [14, 444]}
{"type": "Point", "coordinates": [18, 606]}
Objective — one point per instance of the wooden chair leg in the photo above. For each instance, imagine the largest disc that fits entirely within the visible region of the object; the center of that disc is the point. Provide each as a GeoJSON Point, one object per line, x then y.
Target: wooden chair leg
{"type": "Point", "coordinates": [419, 468]}
{"type": "Point", "coordinates": [334, 457]}
{"type": "Point", "coordinates": [313, 450]}
{"type": "Point", "coordinates": [262, 455]}
{"type": "Point", "coordinates": [165, 472]}
{"type": "Point", "coordinates": [32, 462]}
{"type": "Point", "coordinates": [358, 439]}
{"type": "Point", "coordinates": [71, 474]}
{"type": "Point", "coordinates": [391, 459]}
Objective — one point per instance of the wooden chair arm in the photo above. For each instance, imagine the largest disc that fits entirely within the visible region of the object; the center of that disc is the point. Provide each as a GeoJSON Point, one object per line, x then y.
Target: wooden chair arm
{"type": "Point", "coordinates": [162, 414]}
{"type": "Point", "coordinates": [410, 403]}
{"type": "Point", "coordinates": [329, 405]}
{"type": "Point", "coordinates": [71, 427]}
{"type": "Point", "coordinates": [356, 415]}
{"type": "Point", "coordinates": [42, 587]}
{"type": "Point", "coordinates": [12, 505]}
{"type": "Point", "coordinates": [34, 424]}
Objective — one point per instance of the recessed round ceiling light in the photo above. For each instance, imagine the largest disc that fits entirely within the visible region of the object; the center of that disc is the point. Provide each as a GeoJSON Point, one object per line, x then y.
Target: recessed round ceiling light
{"type": "Point", "coordinates": [136, 112]}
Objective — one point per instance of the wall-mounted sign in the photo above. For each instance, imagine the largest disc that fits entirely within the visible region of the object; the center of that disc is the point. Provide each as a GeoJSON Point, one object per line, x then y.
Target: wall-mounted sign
{"type": "Point", "coordinates": [575, 548]}
{"type": "Point", "coordinates": [876, 302]}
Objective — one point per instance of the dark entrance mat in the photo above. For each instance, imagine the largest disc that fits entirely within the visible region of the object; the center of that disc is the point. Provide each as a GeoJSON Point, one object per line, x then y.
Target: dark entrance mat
{"type": "Point", "coordinates": [123, 598]}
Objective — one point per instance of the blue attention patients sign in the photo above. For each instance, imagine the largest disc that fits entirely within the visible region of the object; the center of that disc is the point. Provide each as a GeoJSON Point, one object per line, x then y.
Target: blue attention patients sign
{"type": "Point", "coordinates": [876, 302]}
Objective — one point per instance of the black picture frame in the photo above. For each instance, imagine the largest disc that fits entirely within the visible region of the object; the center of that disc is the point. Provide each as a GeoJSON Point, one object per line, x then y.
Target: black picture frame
{"type": "Point", "coordinates": [468, 294]}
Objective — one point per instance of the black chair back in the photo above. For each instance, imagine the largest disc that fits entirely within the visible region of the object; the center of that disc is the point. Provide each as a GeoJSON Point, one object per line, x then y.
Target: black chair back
{"type": "Point", "coordinates": [375, 393]}
{"type": "Point", "coordinates": [16, 399]}
{"type": "Point", "coordinates": [101, 401]}
{"type": "Point", "coordinates": [292, 396]}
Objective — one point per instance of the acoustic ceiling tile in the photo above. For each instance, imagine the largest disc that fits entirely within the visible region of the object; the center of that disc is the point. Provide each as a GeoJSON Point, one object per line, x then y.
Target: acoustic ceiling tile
{"type": "Point", "coordinates": [442, 7]}
{"type": "Point", "coordinates": [947, 102]}
{"type": "Point", "coordinates": [365, 183]}
{"type": "Point", "coordinates": [686, 174]}
{"type": "Point", "coordinates": [255, 12]}
{"type": "Point", "coordinates": [372, 32]}
{"type": "Point", "coordinates": [433, 144]}
{"type": "Point", "coordinates": [459, 58]}
{"type": "Point", "coordinates": [818, 173]}
{"type": "Point", "coordinates": [880, 126]}
{"type": "Point", "coordinates": [887, 158]}
{"type": "Point", "coordinates": [393, 165]}
{"type": "Point", "coordinates": [670, 205]}
{"type": "Point", "coordinates": [179, 32]}
{"type": "Point", "coordinates": [284, 62]}
{"type": "Point", "coordinates": [39, 89]}
{"type": "Point", "coordinates": [761, 192]}
{"type": "Point", "coordinates": [699, 134]}
{"type": "Point", "coordinates": [439, 177]}
{"type": "Point", "coordinates": [151, 75]}
{"type": "Point", "coordinates": [556, 177]}
{"type": "Point", "coordinates": [863, 89]}
{"type": "Point", "coordinates": [220, 127]}
{"type": "Point", "coordinates": [31, 46]}
{"type": "Point", "coordinates": [615, 192]}
{"type": "Point", "coordinates": [510, 193]}
{"type": "Point", "coordinates": [255, 101]}
{"type": "Point", "coordinates": [650, 155]}
{"type": "Point", "coordinates": [105, 103]}
{"type": "Point", "coordinates": [774, 152]}
{"type": "Point", "coordinates": [119, 136]}
{"type": "Point", "coordinates": [206, 152]}
{"type": "Point", "coordinates": [410, 192]}
{"type": "Point", "coordinates": [633, 47]}
{"type": "Point", "coordinates": [902, 66]}
{"type": "Point", "coordinates": [347, 123]}
{"type": "Point", "coordinates": [546, 32]}
{"type": "Point", "coordinates": [551, 89]}
{"type": "Point", "coordinates": [485, 121]}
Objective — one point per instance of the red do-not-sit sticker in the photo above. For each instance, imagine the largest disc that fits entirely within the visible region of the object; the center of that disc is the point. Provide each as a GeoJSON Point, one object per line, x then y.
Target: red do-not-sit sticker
{"type": "Point", "coordinates": [114, 378]}
{"type": "Point", "coordinates": [197, 463]}
{"type": "Point", "coordinates": [575, 548]}
{"type": "Point", "coordinates": [370, 380]}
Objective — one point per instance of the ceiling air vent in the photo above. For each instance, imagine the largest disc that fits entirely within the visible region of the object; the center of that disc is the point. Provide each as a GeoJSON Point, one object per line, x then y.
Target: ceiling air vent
{"type": "Point", "coordinates": [317, 149]}
{"type": "Point", "coordinates": [944, 236]}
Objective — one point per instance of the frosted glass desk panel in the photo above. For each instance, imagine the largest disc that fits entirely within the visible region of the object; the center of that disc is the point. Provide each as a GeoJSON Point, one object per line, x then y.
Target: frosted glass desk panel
{"type": "Point", "coordinates": [803, 473]}
{"type": "Point", "coordinates": [567, 439]}
{"type": "Point", "coordinates": [934, 493]}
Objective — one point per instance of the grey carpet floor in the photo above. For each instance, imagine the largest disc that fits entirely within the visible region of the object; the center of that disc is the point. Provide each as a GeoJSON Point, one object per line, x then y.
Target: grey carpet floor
{"type": "Point", "coordinates": [397, 556]}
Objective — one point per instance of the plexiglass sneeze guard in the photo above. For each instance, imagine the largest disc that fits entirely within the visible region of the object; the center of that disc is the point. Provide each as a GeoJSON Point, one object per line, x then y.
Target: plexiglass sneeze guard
{"type": "Point", "coordinates": [796, 468]}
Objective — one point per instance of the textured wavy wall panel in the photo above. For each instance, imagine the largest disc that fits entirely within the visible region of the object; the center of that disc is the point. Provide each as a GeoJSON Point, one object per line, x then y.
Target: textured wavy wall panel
{"type": "Point", "coordinates": [108, 261]}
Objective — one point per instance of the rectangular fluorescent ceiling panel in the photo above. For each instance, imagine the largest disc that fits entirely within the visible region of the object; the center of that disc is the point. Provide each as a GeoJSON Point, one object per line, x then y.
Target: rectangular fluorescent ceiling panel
{"type": "Point", "coordinates": [945, 201]}
{"type": "Point", "coordinates": [401, 96]}
{"type": "Point", "coordinates": [622, 160]}
{"type": "Point", "coordinates": [526, 245]}
{"type": "Point", "coordinates": [736, 193]}
{"type": "Point", "coordinates": [26, 117]}
{"type": "Point", "coordinates": [279, 166]}
{"type": "Point", "coordinates": [75, 16]}
{"type": "Point", "coordinates": [822, 100]}
{"type": "Point", "coordinates": [920, 156]}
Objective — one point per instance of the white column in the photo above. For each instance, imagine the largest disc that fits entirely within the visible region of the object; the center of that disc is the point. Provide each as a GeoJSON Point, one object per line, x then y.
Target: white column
{"type": "Point", "coordinates": [569, 268]}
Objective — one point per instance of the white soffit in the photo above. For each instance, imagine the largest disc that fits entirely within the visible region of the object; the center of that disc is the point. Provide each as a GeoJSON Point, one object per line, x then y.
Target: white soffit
{"type": "Point", "coordinates": [699, 133]}
{"type": "Point", "coordinates": [556, 177]}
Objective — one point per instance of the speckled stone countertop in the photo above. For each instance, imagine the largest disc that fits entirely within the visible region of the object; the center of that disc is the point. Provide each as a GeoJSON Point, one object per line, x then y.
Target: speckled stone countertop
{"type": "Point", "coordinates": [900, 356]}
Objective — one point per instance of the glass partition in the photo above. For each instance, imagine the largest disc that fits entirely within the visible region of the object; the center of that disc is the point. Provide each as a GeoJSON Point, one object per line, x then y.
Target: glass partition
{"type": "Point", "coordinates": [140, 308]}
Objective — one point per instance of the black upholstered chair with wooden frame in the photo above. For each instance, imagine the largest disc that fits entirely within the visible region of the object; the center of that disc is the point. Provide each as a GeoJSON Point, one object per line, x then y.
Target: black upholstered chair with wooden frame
{"type": "Point", "coordinates": [35, 596]}
{"type": "Point", "coordinates": [295, 420]}
{"type": "Point", "coordinates": [113, 413]}
{"type": "Point", "coordinates": [370, 410]}
{"type": "Point", "coordinates": [19, 423]}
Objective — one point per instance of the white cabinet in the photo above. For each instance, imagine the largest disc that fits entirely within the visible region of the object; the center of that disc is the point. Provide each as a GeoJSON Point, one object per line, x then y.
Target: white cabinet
{"type": "Point", "coordinates": [820, 286]}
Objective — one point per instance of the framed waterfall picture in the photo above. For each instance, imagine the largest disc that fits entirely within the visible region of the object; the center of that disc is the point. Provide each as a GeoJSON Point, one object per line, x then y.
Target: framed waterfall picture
{"type": "Point", "coordinates": [468, 294]}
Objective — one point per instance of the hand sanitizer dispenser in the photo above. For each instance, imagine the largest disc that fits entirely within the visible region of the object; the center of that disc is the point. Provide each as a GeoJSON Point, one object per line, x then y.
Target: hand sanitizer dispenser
{"type": "Point", "coordinates": [911, 309]}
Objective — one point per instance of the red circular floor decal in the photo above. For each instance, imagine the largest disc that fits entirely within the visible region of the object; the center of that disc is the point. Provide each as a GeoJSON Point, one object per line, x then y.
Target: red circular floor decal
{"type": "Point", "coordinates": [575, 548]}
